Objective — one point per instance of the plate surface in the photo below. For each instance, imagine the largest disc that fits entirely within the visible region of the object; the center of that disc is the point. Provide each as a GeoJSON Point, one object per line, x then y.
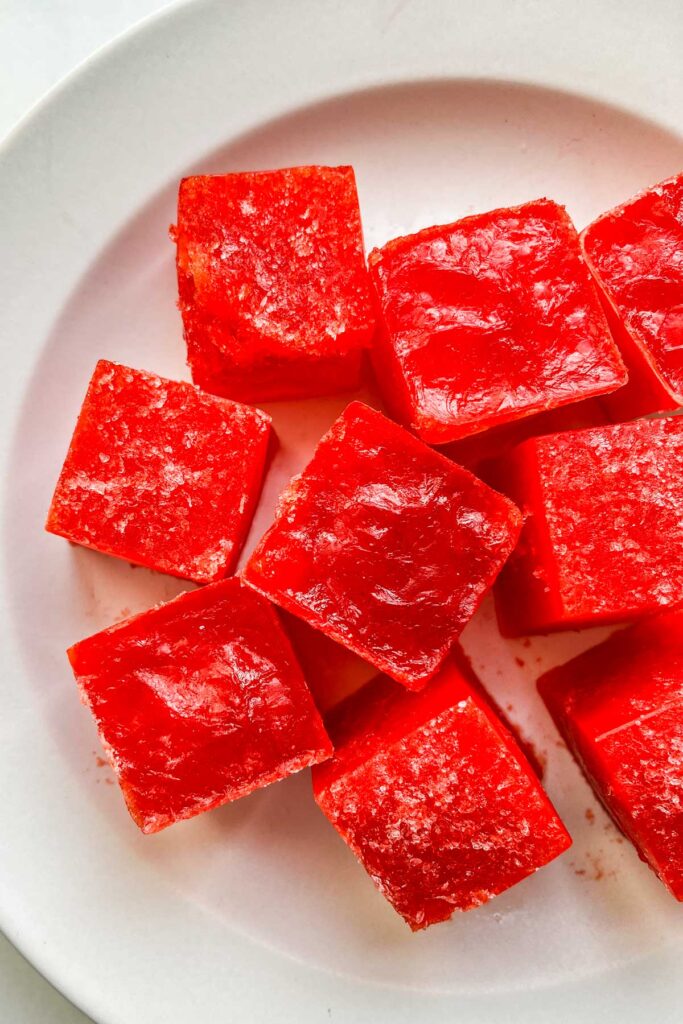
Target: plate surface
{"type": "Point", "coordinates": [257, 912]}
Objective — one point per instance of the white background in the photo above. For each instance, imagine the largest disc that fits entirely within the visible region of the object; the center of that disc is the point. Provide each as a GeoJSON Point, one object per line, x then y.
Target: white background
{"type": "Point", "coordinates": [41, 41]}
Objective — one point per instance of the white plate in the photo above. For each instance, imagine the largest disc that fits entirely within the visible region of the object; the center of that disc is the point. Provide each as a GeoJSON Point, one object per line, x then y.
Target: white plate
{"type": "Point", "coordinates": [257, 912]}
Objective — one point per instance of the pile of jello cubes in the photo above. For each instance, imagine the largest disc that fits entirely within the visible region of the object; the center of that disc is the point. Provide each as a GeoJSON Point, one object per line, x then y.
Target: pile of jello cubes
{"type": "Point", "coordinates": [504, 343]}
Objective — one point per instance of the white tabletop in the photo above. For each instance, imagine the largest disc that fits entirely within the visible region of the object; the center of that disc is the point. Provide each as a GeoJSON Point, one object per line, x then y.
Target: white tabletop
{"type": "Point", "coordinates": [40, 43]}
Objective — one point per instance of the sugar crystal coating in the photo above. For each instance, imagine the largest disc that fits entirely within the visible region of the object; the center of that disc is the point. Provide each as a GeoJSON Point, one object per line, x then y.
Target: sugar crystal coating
{"type": "Point", "coordinates": [434, 796]}
{"type": "Point", "coordinates": [603, 538]}
{"type": "Point", "coordinates": [487, 320]}
{"type": "Point", "coordinates": [160, 474]}
{"type": "Point", "coordinates": [619, 707]}
{"type": "Point", "coordinates": [198, 702]}
{"type": "Point", "coordinates": [384, 545]}
{"type": "Point", "coordinates": [273, 285]}
{"type": "Point", "coordinates": [636, 254]}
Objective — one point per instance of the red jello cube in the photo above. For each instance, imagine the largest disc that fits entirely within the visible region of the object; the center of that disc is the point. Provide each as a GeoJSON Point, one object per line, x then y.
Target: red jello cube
{"type": "Point", "coordinates": [619, 707]}
{"type": "Point", "coordinates": [434, 796]}
{"type": "Point", "coordinates": [636, 254]}
{"type": "Point", "coordinates": [274, 289]}
{"type": "Point", "coordinates": [161, 474]}
{"type": "Point", "coordinates": [487, 320]}
{"type": "Point", "coordinates": [603, 537]}
{"type": "Point", "coordinates": [198, 702]}
{"type": "Point", "coordinates": [385, 545]}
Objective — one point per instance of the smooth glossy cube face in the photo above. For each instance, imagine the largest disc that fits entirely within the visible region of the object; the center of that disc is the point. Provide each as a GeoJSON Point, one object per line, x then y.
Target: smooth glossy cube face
{"type": "Point", "coordinates": [274, 289]}
{"type": "Point", "coordinates": [603, 538]}
{"type": "Point", "coordinates": [619, 707]}
{"type": "Point", "coordinates": [434, 796]}
{"type": "Point", "coordinates": [161, 474]}
{"type": "Point", "coordinates": [384, 545]}
{"type": "Point", "coordinates": [198, 702]}
{"type": "Point", "coordinates": [488, 320]}
{"type": "Point", "coordinates": [636, 254]}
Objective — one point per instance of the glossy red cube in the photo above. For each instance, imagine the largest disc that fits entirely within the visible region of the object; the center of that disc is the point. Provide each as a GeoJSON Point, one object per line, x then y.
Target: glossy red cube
{"type": "Point", "coordinates": [603, 537]}
{"type": "Point", "coordinates": [488, 320]}
{"type": "Point", "coordinates": [619, 708]}
{"type": "Point", "coordinates": [198, 702]}
{"type": "Point", "coordinates": [434, 796]}
{"type": "Point", "coordinates": [385, 545]}
{"type": "Point", "coordinates": [161, 474]}
{"type": "Point", "coordinates": [274, 289]}
{"type": "Point", "coordinates": [636, 254]}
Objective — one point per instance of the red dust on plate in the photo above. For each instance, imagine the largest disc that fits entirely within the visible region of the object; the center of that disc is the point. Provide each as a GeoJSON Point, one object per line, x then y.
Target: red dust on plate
{"type": "Point", "coordinates": [384, 545]}
{"type": "Point", "coordinates": [434, 796]}
{"type": "Point", "coordinates": [273, 285]}
{"type": "Point", "coordinates": [619, 706]}
{"type": "Point", "coordinates": [198, 702]}
{"type": "Point", "coordinates": [603, 537]}
{"type": "Point", "coordinates": [161, 474]}
{"type": "Point", "coordinates": [487, 320]}
{"type": "Point", "coordinates": [636, 254]}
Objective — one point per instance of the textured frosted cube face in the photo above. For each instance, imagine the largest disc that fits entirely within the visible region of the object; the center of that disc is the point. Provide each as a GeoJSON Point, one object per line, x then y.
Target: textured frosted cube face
{"type": "Point", "coordinates": [603, 538]}
{"type": "Point", "coordinates": [636, 254]}
{"type": "Point", "coordinates": [619, 707]}
{"type": "Point", "coordinates": [487, 320]}
{"type": "Point", "coordinates": [161, 474]}
{"type": "Point", "coordinates": [273, 285]}
{"type": "Point", "coordinates": [385, 545]}
{"type": "Point", "coordinates": [434, 796]}
{"type": "Point", "coordinates": [198, 702]}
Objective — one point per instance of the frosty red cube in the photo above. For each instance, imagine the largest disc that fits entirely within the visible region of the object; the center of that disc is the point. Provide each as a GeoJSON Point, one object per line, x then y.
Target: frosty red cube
{"type": "Point", "coordinates": [619, 708]}
{"type": "Point", "coordinates": [603, 537]}
{"type": "Point", "coordinates": [274, 289]}
{"type": "Point", "coordinates": [434, 796]}
{"type": "Point", "coordinates": [636, 254]}
{"type": "Point", "coordinates": [161, 474]}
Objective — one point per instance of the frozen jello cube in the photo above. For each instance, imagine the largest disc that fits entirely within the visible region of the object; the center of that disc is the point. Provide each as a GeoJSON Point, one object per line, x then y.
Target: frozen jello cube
{"type": "Point", "coordinates": [385, 545]}
{"type": "Point", "coordinates": [636, 254]}
{"type": "Point", "coordinates": [198, 702]}
{"type": "Point", "coordinates": [274, 289]}
{"type": "Point", "coordinates": [619, 708]}
{"type": "Point", "coordinates": [161, 474]}
{"type": "Point", "coordinates": [603, 537]}
{"type": "Point", "coordinates": [488, 320]}
{"type": "Point", "coordinates": [434, 796]}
